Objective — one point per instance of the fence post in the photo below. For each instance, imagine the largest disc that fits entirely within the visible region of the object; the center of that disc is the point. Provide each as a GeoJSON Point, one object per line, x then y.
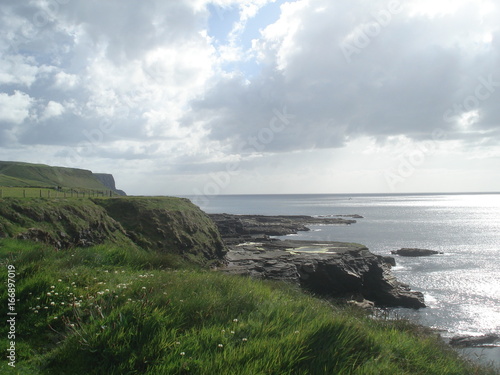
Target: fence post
{"type": "Point", "coordinates": [24, 193]}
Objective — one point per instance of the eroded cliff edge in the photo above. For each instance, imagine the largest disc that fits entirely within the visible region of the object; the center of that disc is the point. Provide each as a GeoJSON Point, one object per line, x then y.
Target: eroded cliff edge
{"type": "Point", "coordinates": [334, 269]}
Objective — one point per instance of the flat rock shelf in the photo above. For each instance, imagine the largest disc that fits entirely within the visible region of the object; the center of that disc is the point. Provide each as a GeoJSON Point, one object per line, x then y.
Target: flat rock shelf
{"type": "Point", "coordinates": [334, 269]}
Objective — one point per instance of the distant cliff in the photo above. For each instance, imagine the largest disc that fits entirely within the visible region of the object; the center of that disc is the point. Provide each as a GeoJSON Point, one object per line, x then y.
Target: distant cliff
{"type": "Point", "coordinates": [109, 181]}
{"type": "Point", "coordinates": [18, 174]}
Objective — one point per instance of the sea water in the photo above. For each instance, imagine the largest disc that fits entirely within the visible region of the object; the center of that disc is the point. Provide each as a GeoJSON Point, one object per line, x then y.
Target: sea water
{"type": "Point", "coordinates": [461, 286]}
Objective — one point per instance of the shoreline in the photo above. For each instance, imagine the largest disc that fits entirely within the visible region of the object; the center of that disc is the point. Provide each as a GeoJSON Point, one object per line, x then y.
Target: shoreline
{"type": "Point", "coordinates": [253, 251]}
{"type": "Point", "coordinates": [346, 271]}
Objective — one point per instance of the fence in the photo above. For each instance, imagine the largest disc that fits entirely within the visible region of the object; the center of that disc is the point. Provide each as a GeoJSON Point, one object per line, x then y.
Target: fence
{"type": "Point", "coordinates": [53, 193]}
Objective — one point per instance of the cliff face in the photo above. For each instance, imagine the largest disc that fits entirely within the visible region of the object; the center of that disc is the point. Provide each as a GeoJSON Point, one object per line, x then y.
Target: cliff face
{"type": "Point", "coordinates": [109, 181]}
{"type": "Point", "coordinates": [171, 225]}
{"type": "Point", "coordinates": [167, 224]}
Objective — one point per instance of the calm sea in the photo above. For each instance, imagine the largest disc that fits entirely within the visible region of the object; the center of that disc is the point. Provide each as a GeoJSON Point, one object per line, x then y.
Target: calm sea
{"type": "Point", "coordinates": [461, 287]}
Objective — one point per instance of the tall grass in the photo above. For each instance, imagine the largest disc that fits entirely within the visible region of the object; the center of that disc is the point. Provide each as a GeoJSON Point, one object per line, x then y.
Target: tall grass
{"type": "Point", "coordinates": [111, 310]}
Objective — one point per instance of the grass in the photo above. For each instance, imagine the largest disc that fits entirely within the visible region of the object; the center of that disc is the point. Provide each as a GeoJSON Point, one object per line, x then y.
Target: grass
{"type": "Point", "coordinates": [111, 309]}
{"type": "Point", "coordinates": [19, 174]}
{"type": "Point", "coordinates": [41, 192]}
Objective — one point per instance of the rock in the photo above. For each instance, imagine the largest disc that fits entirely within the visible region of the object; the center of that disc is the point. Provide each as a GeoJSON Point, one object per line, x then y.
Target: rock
{"type": "Point", "coordinates": [474, 341]}
{"type": "Point", "coordinates": [333, 269]}
{"type": "Point", "coordinates": [342, 273]}
{"type": "Point", "coordinates": [406, 252]}
{"type": "Point", "coordinates": [362, 303]}
{"type": "Point", "coordinates": [232, 227]}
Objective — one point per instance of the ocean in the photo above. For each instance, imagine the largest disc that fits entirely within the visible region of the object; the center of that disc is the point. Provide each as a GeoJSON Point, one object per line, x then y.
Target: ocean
{"type": "Point", "coordinates": [461, 286]}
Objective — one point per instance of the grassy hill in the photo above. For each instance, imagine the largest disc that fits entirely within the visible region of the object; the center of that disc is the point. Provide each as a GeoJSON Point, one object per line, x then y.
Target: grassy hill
{"type": "Point", "coordinates": [17, 174]}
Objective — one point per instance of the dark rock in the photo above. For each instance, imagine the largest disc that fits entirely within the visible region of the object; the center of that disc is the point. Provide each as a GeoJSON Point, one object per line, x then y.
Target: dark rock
{"type": "Point", "coordinates": [406, 252]}
{"type": "Point", "coordinates": [389, 260]}
{"type": "Point", "coordinates": [233, 227]}
{"type": "Point", "coordinates": [340, 270]}
{"type": "Point", "coordinates": [334, 269]}
{"type": "Point", "coordinates": [474, 341]}
{"type": "Point", "coordinates": [109, 181]}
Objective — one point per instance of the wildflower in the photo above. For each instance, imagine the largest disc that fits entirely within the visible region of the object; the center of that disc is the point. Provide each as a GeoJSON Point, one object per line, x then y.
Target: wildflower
{"type": "Point", "coordinates": [52, 287]}
{"type": "Point", "coordinates": [182, 353]}
{"type": "Point", "coordinates": [232, 332]}
{"type": "Point", "coordinates": [296, 332]}
{"type": "Point", "coordinates": [59, 280]}
{"type": "Point", "coordinates": [220, 345]}
{"type": "Point", "coordinates": [62, 303]}
{"type": "Point", "coordinates": [52, 303]}
{"type": "Point", "coordinates": [143, 287]}
{"type": "Point", "coordinates": [49, 294]}
{"type": "Point", "coordinates": [235, 320]}
{"type": "Point", "coordinates": [56, 294]}
{"type": "Point", "coordinates": [177, 343]}
{"type": "Point", "coordinates": [72, 325]}
{"type": "Point", "coordinates": [244, 339]}
{"type": "Point", "coordinates": [55, 317]}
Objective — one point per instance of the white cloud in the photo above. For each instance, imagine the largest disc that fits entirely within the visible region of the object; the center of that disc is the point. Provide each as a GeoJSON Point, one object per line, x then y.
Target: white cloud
{"type": "Point", "coordinates": [17, 69]}
{"type": "Point", "coordinates": [53, 109]}
{"type": "Point", "coordinates": [183, 98]}
{"type": "Point", "coordinates": [15, 108]}
{"type": "Point", "coordinates": [64, 81]}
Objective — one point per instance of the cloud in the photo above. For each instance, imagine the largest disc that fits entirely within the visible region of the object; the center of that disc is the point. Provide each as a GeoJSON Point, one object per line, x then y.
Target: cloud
{"type": "Point", "coordinates": [53, 109]}
{"type": "Point", "coordinates": [14, 109]}
{"type": "Point", "coordinates": [196, 84]}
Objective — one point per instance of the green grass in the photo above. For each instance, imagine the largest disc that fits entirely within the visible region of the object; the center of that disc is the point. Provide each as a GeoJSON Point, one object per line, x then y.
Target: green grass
{"type": "Point", "coordinates": [116, 310]}
{"type": "Point", "coordinates": [31, 192]}
{"type": "Point", "coordinates": [17, 174]}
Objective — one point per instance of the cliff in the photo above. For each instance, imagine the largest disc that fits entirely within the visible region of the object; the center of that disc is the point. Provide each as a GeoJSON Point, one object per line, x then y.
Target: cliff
{"type": "Point", "coordinates": [170, 225]}
{"type": "Point", "coordinates": [109, 181]}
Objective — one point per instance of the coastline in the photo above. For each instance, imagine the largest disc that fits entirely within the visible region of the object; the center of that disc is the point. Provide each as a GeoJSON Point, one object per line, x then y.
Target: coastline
{"type": "Point", "coordinates": [255, 252]}
{"type": "Point", "coordinates": [346, 271]}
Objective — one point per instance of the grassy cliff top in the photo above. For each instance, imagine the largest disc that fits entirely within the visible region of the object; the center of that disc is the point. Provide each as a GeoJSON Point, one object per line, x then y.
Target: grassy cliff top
{"type": "Point", "coordinates": [18, 174]}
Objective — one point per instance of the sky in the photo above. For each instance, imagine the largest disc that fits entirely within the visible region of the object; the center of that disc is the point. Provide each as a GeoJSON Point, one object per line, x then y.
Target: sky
{"type": "Point", "coordinates": [208, 97]}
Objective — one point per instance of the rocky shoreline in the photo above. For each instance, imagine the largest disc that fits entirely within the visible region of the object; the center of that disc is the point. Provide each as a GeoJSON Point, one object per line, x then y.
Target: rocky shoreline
{"type": "Point", "coordinates": [346, 271]}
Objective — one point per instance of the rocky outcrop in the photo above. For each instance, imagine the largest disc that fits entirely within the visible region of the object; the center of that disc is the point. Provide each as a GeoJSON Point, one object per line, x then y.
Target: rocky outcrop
{"type": "Point", "coordinates": [341, 270]}
{"type": "Point", "coordinates": [240, 228]}
{"type": "Point", "coordinates": [407, 252]}
{"type": "Point", "coordinates": [109, 181]}
{"type": "Point", "coordinates": [474, 341]}
{"type": "Point", "coordinates": [337, 270]}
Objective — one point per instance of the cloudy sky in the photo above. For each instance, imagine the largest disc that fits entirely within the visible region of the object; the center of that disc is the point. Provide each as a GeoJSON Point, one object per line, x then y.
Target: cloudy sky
{"type": "Point", "coordinates": [261, 96]}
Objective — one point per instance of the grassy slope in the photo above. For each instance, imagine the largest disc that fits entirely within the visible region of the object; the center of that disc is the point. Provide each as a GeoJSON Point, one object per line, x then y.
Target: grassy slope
{"type": "Point", "coordinates": [40, 175]}
{"type": "Point", "coordinates": [112, 310]}
{"type": "Point", "coordinates": [170, 225]}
